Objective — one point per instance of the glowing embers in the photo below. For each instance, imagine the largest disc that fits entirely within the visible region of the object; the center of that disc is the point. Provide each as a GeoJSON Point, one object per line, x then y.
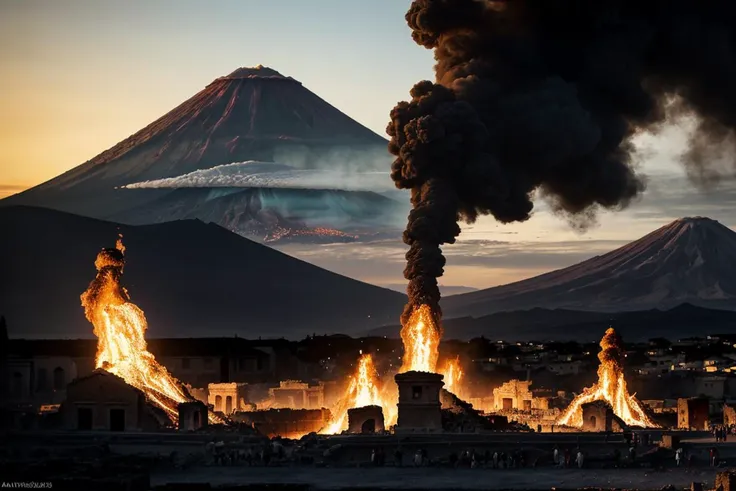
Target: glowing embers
{"type": "Point", "coordinates": [120, 328]}
{"type": "Point", "coordinates": [421, 338]}
{"type": "Point", "coordinates": [611, 388]}
{"type": "Point", "coordinates": [363, 390]}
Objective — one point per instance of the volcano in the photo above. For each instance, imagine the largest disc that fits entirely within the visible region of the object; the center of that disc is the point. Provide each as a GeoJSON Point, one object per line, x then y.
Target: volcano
{"type": "Point", "coordinates": [252, 114]}
{"type": "Point", "coordinates": [691, 260]}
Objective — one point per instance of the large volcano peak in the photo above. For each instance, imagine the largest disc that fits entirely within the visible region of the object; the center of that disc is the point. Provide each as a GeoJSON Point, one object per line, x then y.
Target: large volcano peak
{"type": "Point", "coordinates": [253, 113]}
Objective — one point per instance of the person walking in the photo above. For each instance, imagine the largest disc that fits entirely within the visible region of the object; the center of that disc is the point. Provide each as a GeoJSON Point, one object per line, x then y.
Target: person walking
{"type": "Point", "coordinates": [678, 457]}
{"type": "Point", "coordinates": [556, 456]}
{"type": "Point", "coordinates": [580, 459]}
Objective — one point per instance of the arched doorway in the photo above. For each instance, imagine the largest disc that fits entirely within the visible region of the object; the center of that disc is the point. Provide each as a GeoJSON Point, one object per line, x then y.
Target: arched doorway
{"type": "Point", "coordinates": [368, 426]}
{"type": "Point", "coordinates": [228, 404]}
{"type": "Point", "coordinates": [218, 403]}
{"type": "Point", "coordinates": [593, 421]}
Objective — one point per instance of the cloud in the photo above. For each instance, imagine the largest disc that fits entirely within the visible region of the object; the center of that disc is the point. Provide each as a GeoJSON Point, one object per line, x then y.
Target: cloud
{"type": "Point", "coordinates": [475, 263]}
{"type": "Point", "coordinates": [252, 174]}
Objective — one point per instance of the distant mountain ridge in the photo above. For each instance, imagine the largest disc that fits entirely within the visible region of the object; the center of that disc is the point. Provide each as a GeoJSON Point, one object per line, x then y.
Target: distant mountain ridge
{"type": "Point", "coordinates": [540, 324]}
{"type": "Point", "coordinates": [691, 260]}
{"type": "Point", "coordinates": [190, 278]}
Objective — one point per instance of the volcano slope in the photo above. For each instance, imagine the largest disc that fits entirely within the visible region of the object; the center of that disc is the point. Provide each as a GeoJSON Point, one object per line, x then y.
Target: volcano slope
{"type": "Point", "coordinates": [250, 114]}
{"type": "Point", "coordinates": [190, 278]}
{"type": "Point", "coordinates": [691, 260]}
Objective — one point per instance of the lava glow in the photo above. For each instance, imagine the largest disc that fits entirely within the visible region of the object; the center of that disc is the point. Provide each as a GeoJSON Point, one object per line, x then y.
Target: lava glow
{"type": "Point", "coordinates": [611, 387]}
{"type": "Point", "coordinates": [362, 391]}
{"type": "Point", "coordinates": [453, 374]}
{"type": "Point", "coordinates": [421, 337]}
{"type": "Point", "coordinates": [120, 328]}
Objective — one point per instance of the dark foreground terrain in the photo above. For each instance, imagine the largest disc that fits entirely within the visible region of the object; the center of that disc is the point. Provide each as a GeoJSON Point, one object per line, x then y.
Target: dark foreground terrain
{"type": "Point", "coordinates": [168, 461]}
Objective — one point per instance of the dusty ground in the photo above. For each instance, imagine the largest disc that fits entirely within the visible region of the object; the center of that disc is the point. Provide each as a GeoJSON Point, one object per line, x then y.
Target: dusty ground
{"type": "Point", "coordinates": [439, 479]}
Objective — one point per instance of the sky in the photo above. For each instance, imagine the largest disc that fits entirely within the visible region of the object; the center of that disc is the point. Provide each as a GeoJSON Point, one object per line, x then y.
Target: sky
{"type": "Point", "coordinates": [78, 76]}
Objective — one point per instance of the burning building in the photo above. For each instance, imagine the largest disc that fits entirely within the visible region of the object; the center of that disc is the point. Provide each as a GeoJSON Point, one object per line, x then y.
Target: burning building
{"type": "Point", "coordinates": [103, 401]}
{"type": "Point", "coordinates": [120, 328]}
{"type": "Point", "coordinates": [363, 390]}
{"type": "Point", "coordinates": [610, 388]}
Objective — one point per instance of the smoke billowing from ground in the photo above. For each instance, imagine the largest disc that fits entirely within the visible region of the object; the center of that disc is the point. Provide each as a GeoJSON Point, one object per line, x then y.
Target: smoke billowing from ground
{"type": "Point", "coordinates": [543, 96]}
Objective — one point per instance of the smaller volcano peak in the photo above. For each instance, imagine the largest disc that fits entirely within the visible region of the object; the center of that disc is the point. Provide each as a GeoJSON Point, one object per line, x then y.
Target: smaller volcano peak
{"type": "Point", "coordinates": [259, 72]}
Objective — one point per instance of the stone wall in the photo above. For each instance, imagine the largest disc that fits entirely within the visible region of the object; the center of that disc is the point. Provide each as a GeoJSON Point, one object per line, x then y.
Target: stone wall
{"type": "Point", "coordinates": [597, 416]}
{"type": "Point", "coordinates": [693, 414]}
{"type": "Point", "coordinates": [297, 395]}
{"type": "Point", "coordinates": [367, 419]}
{"type": "Point", "coordinates": [287, 423]}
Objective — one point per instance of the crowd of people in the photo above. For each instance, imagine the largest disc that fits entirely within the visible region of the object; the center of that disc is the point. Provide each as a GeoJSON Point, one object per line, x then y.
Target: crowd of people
{"type": "Point", "coordinates": [253, 455]}
{"type": "Point", "coordinates": [279, 452]}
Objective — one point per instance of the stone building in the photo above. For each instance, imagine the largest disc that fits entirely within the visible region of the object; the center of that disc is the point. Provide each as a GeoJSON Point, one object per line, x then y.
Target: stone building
{"type": "Point", "coordinates": [287, 423]}
{"type": "Point", "coordinates": [365, 420]}
{"type": "Point", "coordinates": [297, 395]}
{"type": "Point", "coordinates": [513, 395]}
{"type": "Point", "coordinates": [193, 416]}
{"type": "Point", "coordinates": [693, 414]}
{"type": "Point", "coordinates": [228, 397]}
{"type": "Point", "coordinates": [599, 416]}
{"type": "Point", "coordinates": [729, 415]}
{"type": "Point", "coordinates": [37, 371]}
{"type": "Point", "coordinates": [419, 404]}
{"type": "Point", "coordinates": [103, 401]}
{"type": "Point", "coordinates": [516, 395]}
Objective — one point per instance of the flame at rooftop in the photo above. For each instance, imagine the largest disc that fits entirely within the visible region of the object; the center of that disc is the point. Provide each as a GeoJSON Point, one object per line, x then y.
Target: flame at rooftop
{"type": "Point", "coordinates": [611, 388]}
{"type": "Point", "coordinates": [120, 328]}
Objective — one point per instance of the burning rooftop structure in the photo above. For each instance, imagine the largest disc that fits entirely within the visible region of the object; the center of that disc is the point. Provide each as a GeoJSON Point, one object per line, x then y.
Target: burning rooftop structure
{"type": "Point", "coordinates": [421, 339]}
{"type": "Point", "coordinates": [611, 388]}
{"type": "Point", "coordinates": [120, 328]}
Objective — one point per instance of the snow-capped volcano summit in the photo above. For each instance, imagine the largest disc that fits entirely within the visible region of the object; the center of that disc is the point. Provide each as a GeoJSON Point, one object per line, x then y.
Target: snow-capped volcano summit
{"type": "Point", "coordinates": [690, 260]}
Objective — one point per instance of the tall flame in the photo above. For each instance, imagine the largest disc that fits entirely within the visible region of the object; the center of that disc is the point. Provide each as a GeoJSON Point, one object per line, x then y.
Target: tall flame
{"type": "Point", "coordinates": [611, 388]}
{"type": "Point", "coordinates": [453, 374]}
{"type": "Point", "coordinates": [421, 337]}
{"type": "Point", "coordinates": [120, 327]}
{"type": "Point", "coordinates": [362, 391]}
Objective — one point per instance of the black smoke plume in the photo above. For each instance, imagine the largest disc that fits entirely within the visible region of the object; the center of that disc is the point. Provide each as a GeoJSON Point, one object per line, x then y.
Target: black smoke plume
{"type": "Point", "coordinates": [542, 97]}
